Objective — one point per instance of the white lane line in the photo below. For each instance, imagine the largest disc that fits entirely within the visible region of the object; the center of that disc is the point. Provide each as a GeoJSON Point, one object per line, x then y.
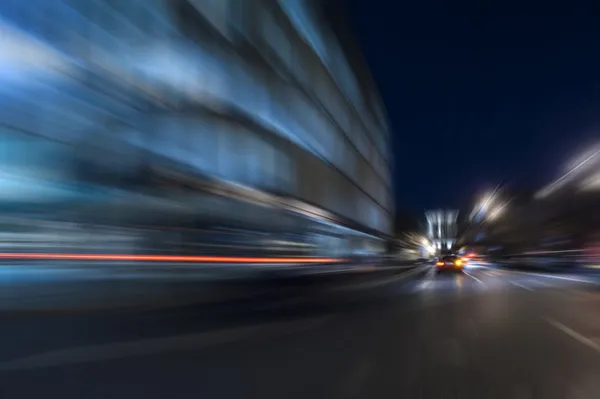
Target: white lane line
{"type": "Point", "coordinates": [521, 286]}
{"type": "Point", "coordinates": [574, 334]}
{"type": "Point", "coordinates": [474, 278]}
{"type": "Point", "coordinates": [154, 346]}
{"type": "Point", "coordinates": [575, 279]}
{"type": "Point", "coordinates": [488, 274]}
{"type": "Point", "coordinates": [544, 284]}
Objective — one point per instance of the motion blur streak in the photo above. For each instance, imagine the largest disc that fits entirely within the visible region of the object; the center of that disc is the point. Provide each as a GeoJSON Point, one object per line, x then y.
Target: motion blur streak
{"type": "Point", "coordinates": [236, 129]}
{"type": "Point", "coordinates": [164, 258]}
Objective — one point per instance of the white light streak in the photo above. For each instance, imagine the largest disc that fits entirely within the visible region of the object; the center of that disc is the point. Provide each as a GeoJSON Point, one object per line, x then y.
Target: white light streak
{"type": "Point", "coordinates": [561, 180]}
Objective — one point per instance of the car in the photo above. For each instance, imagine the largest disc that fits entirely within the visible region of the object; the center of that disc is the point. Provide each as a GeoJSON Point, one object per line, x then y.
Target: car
{"type": "Point", "coordinates": [450, 263]}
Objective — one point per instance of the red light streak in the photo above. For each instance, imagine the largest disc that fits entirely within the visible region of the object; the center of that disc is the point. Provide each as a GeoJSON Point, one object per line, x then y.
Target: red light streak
{"type": "Point", "coordinates": [164, 258]}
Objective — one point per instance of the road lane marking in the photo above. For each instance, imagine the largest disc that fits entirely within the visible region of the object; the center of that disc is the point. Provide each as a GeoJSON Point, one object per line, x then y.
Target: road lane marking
{"type": "Point", "coordinates": [474, 278]}
{"type": "Point", "coordinates": [156, 346]}
{"type": "Point", "coordinates": [521, 286]}
{"type": "Point", "coordinates": [544, 284]}
{"type": "Point", "coordinates": [575, 279]}
{"type": "Point", "coordinates": [488, 274]}
{"type": "Point", "coordinates": [574, 334]}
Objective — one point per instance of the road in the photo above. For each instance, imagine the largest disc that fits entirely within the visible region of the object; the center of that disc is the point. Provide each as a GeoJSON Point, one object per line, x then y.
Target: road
{"type": "Point", "coordinates": [489, 333]}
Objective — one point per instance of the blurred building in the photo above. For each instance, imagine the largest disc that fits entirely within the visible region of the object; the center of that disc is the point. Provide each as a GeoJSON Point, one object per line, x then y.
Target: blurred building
{"type": "Point", "coordinates": [442, 228]}
{"type": "Point", "coordinates": [253, 114]}
{"type": "Point", "coordinates": [559, 218]}
{"type": "Point", "coordinates": [503, 220]}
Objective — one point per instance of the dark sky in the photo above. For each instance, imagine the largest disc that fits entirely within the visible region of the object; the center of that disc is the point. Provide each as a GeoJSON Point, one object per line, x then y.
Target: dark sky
{"type": "Point", "coordinates": [478, 93]}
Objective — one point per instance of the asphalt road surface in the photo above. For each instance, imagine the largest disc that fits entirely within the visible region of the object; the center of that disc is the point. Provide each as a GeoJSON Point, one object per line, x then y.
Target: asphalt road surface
{"type": "Point", "coordinates": [485, 334]}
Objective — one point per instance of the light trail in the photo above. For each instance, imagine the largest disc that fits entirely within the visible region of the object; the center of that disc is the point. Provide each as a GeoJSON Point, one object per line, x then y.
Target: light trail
{"type": "Point", "coordinates": [164, 258]}
{"type": "Point", "coordinates": [554, 185]}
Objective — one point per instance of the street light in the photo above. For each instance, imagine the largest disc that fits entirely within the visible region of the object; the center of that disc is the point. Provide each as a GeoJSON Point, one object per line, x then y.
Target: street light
{"type": "Point", "coordinates": [497, 211]}
{"type": "Point", "coordinates": [485, 203]}
{"type": "Point", "coordinates": [494, 214]}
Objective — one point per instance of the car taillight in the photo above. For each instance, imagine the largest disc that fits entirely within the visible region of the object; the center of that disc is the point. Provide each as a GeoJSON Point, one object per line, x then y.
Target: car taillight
{"type": "Point", "coordinates": [439, 264]}
{"type": "Point", "coordinates": [458, 262]}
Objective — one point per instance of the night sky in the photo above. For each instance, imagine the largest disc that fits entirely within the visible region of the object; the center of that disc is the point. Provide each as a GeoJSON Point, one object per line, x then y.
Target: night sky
{"type": "Point", "coordinates": [478, 94]}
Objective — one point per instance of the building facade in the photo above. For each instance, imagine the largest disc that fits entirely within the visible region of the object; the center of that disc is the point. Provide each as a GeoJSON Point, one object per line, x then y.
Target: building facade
{"type": "Point", "coordinates": [262, 95]}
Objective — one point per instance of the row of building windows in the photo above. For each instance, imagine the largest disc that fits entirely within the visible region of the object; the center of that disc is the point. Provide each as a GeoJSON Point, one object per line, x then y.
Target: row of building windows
{"type": "Point", "coordinates": [121, 40]}
{"type": "Point", "coordinates": [262, 27]}
{"type": "Point", "coordinates": [326, 47]}
{"type": "Point", "coordinates": [308, 69]}
{"type": "Point", "coordinates": [90, 30]}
